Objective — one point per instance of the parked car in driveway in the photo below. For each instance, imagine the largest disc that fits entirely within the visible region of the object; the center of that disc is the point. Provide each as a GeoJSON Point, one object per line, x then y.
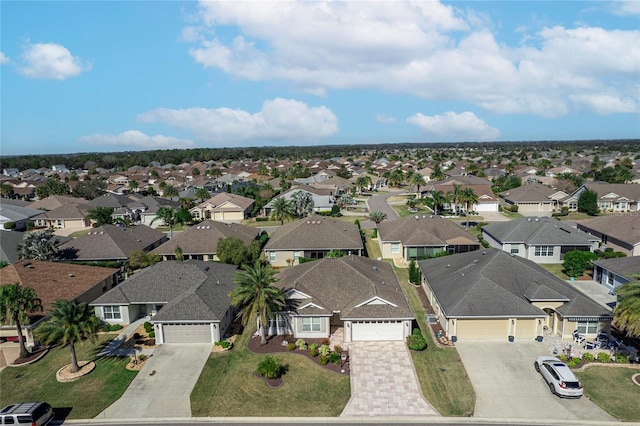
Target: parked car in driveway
{"type": "Point", "coordinates": [559, 377]}
{"type": "Point", "coordinates": [27, 413]}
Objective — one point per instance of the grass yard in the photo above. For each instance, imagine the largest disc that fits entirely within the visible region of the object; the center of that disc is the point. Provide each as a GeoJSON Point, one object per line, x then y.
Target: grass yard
{"type": "Point", "coordinates": [576, 216]}
{"type": "Point", "coordinates": [442, 376]}
{"type": "Point", "coordinates": [82, 399]}
{"type": "Point", "coordinates": [227, 387]}
{"type": "Point", "coordinates": [612, 390]}
{"type": "Point", "coordinates": [372, 246]}
{"type": "Point", "coordinates": [511, 215]}
{"type": "Point", "coordinates": [556, 269]}
{"type": "Point", "coordinates": [79, 233]}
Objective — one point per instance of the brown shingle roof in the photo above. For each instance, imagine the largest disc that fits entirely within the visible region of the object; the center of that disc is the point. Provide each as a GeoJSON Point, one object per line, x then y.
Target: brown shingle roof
{"type": "Point", "coordinates": [424, 231]}
{"type": "Point", "coordinates": [316, 232]}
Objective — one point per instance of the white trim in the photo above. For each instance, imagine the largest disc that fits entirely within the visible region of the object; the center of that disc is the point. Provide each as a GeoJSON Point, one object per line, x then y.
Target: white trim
{"type": "Point", "coordinates": [310, 304]}
{"type": "Point", "coordinates": [289, 294]}
{"type": "Point", "coordinates": [378, 299]}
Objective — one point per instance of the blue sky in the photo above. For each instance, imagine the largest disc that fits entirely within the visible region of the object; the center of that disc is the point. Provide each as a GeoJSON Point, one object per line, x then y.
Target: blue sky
{"type": "Point", "coordinates": [133, 75]}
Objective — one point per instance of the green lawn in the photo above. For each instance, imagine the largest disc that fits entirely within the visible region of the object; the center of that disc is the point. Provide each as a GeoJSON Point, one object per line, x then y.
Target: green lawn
{"type": "Point", "coordinates": [227, 387]}
{"type": "Point", "coordinates": [442, 376]}
{"type": "Point", "coordinates": [85, 398]}
{"type": "Point", "coordinates": [403, 210]}
{"type": "Point", "coordinates": [612, 390]}
{"type": "Point", "coordinates": [575, 216]}
{"type": "Point", "coordinates": [556, 269]}
{"type": "Point", "coordinates": [372, 246]}
{"type": "Point", "coordinates": [79, 233]}
{"type": "Point", "coordinates": [511, 215]}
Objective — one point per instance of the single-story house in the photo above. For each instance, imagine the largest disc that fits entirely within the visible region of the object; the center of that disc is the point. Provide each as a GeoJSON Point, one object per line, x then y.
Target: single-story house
{"type": "Point", "coordinates": [53, 281]}
{"type": "Point", "coordinates": [353, 296]}
{"type": "Point", "coordinates": [54, 201]}
{"type": "Point", "coordinates": [15, 217]}
{"type": "Point", "coordinates": [614, 197]}
{"type": "Point", "coordinates": [612, 273]}
{"type": "Point", "coordinates": [188, 302]}
{"type": "Point", "coordinates": [224, 207]}
{"type": "Point", "coordinates": [620, 232]}
{"type": "Point", "coordinates": [112, 243]}
{"type": "Point", "coordinates": [487, 200]}
{"type": "Point", "coordinates": [540, 239]}
{"type": "Point", "coordinates": [312, 237]}
{"type": "Point", "coordinates": [70, 215]}
{"type": "Point", "coordinates": [420, 236]}
{"type": "Point", "coordinates": [533, 198]}
{"type": "Point", "coordinates": [323, 199]}
{"type": "Point", "coordinates": [145, 210]}
{"type": "Point", "coordinates": [200, 241]}
{"type": "Point", "coordinates": [490, 294]}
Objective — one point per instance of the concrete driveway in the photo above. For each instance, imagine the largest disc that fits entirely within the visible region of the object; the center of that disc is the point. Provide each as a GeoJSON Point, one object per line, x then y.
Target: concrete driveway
{"type": "Point", "coordinates": [507, 385]}
{"type": "Point", "coordinates": [163, 387]}
{"type": "Point", "coordinates": [384, 382]}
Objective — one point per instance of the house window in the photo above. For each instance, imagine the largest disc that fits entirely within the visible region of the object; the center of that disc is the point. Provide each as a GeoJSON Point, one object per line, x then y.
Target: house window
{"type": "Point", "coordinates": [272, 256]}
{"type": "Point", "coordinates": [296, 256]}
{"type": "Point", "coordinates": [587, 327]}
{"type": "Point", "coordinates": [610, 278]}
{"type": "Point", "coordinates": [395, 248]}
{"type": "Point", "coordinates": [544, 250]}
{"type": "Point", "coordinates": [573, 205]}
{"type": "Point", "coordinates": [311, 324]}
{"type": "Point", "coordinates": [59, 222]}
{"type": "Point", "coordinates": [111, 312]}
{"type": "Point", "coordinates": [515, 249]}
{"type": "Point", "coordinates": [196, 214]}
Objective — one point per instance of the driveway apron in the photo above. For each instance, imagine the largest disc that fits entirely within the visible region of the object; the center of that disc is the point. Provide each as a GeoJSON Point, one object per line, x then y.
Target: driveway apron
{"type": "Point", "coordinates": [163, 387]}
{"type": "Point", "coordinates": [384, 382]}
{"type": "Point", "coordinates": [507, 386]}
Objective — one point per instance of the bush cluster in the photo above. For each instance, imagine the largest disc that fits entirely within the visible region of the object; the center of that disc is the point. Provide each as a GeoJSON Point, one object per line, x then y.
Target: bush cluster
{"type": "Point", "coordinates": [269, 368]}
{"type": "Point", "coordinates": [416, 341]}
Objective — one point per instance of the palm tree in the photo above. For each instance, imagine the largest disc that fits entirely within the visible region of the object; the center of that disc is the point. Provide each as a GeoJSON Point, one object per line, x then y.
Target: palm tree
{"type": "Point", "coordinates": [256, 296]}
{"type": "Point", "coordinates": [202, 194]}
{"type": "Point", "coordinates": [437, 173]}
{"type": "Point", "coordinates": [281, 209]}
{"type": "Point", "coordinates": [468, 198]}
{"type": "Point", "coordinates": [438, 200]}
{"type": "Point", "coordinates": [302, 204]}
{"type": "Point", "coordinates": [102, 215]}
{"type": "Point", "coordinates": [396, 178]}
{"type": "Point", "coordinates": [69, 323]}
{"type": "Point", "coordinates": [377, 216]}
{"type": "Point", "coordinates": [133, 185]}
{"type": "Point", "coordinates": [170, 216]}
{"type": "Point", "coordinates": [454, 196]}
{"type": "Point", "coordinates": [416, 179]}
{"type": "Point", "coordinates": [40, 245]}
{"type": "Point", "coordinates": [170, 191]}
{"type": "Point", "coordinates": [627, 312]}
{"type": "Point", "coordinates": [362, 182]}
{"type": "Point", "coordinates": [16, 303]}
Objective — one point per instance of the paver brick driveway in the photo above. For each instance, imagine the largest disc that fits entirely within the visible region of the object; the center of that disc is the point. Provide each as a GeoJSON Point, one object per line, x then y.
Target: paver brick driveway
{"type": "Point", "coordinates": [508, 386]}
{"type": "Point", "coordinates": [384, 382]}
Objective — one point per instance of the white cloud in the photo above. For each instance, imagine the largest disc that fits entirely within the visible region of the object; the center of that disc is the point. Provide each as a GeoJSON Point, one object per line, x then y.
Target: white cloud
{"type": "Point", "coordinates": [135, 139]}
{"type": "Point", "coordinates": [4, 59]}
{"type": "Point", "coordinates": [278, 120]}
{"type": "Point", "coordinates": [385, 119]}
{"type": "Point", "coordinates": [51, 61]}
{"type": "Point", "coordinates": [625, 7]}
{"type": "Point", "coordinates": [425, 49]}
{"type": "Point", "coordinates": [452, 126]}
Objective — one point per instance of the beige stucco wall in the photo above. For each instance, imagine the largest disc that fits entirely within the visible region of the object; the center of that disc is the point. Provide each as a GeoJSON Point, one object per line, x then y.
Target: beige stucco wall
{"type": "Point", "coordinates": [281, 257]}
{"type": "Point", "coordinates": [296, 325]}
{"type": "Point", "coordinates": [386, 251]}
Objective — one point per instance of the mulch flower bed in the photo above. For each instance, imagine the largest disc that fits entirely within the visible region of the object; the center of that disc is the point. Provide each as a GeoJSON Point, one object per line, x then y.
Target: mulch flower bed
{"type": "Point", "coordinates": [33, 357]}
{"type": "Point", "coordinates": [272, 383]}
{"type": "Point", "coordinates": [274, 345]}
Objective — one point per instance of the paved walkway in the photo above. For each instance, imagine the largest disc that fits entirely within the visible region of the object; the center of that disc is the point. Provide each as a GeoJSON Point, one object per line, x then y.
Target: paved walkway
{"type": "Point", "coordinates": [163, 387]}
{"type": "Point", "coordinates": [384, 382]}
{"type": "Point", "coordinates": [114, 349]}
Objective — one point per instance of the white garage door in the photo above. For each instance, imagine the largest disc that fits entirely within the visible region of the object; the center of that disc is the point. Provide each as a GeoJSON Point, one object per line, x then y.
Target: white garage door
{"type": "Point", "coordinates": [376, 330]}
{"type": "Point", "coordinates": [187, 333]}
{"type": "Point", "coordinates": [487, 207]}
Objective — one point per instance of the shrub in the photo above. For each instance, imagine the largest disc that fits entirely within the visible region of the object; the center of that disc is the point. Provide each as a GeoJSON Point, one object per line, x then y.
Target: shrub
{"type": "Point", "coordinates": [313, 352]}
{"type": "Point", "coordinates": [414, 273]}
{"type": "Point", "coordinates": [262, 219]}
{"type": "Point", "coordinates": [621, 358]}
{"type": "Point", "coordinates": [562, 358]}
{"type": "Point", "coordinates": [576, 262]}
{"type": "Point", "coordinates": [225, 344]}
{"type": "Point", "coordinates": [416, 332]}
{"type": "Point", "coordinates": [148, 326]}
{"type": "Point", "coordinates": [136, 336]}
{"type": "Point", "coordinates": [357, 223]}
{"type": "Point", "coordinates": [603, 357]}
{"type": "Point", "coordinates": [337, 348]}
{"type": "Point", "coordinates": [291, 346]}
{"type": "Point", "coordinates": [300, 344]}
{"type": "Point", "coordinates": [514, 208]}
{"type": "Point", "coordinates": [115, 327]}
{"type": "Point", "coordinates": [573, 362]}
{"type": "Point", "coordinates": [269, 368]}
{"type": "Point", "coordinates": [374, 234]}
{"type": "Point", "coordinates": [152, 334]}
{"type": "Point", "coordinates": [106, 327]}
{"type": "Point", "coordinates": [313, 346]}
{"type": "Point", "coordinates": [323, 360]}
{"type": "Point", "coordinates": [324, 350]}
{"type": "Point", "coordinates": [334, 357]}
{"type": "Point", "coordinates": [9, 225]}
{"type": "Point", "coordinates": [588, 357]}
{"type": "Point", "coordinates": [416, 342]}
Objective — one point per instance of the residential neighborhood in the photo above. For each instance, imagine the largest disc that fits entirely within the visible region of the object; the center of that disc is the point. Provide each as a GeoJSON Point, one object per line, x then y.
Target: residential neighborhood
{"type": "Point", "coordinates": [446, 268]}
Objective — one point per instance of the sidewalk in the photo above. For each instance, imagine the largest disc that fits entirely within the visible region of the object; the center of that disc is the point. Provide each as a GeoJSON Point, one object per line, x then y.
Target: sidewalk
{"type": "Point", "coordinates": [114, 349]}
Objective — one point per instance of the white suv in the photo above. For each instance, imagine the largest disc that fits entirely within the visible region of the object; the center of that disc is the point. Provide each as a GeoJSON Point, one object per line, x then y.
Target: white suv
{"type": "Point", "coordinates": [26, 413]}
{"type": "Point", "coordinates": [559, 377]}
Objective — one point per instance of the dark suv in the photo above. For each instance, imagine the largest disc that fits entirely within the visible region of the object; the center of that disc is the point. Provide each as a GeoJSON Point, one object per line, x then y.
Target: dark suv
{"type": "Point", "coordinates": [26, 413]}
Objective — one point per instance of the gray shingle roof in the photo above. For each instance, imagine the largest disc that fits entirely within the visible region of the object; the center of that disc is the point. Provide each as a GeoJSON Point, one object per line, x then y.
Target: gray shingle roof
{"type": "Point", "coordinates": [625, 228]}
{"type": "Point", "coordinates": [316, 232]}
{"type": "Point", "coordinates": [623, 266]}
{"type": "Point", "coordinates": [424, 231]}
{"type": "Point", "coordinates": [203, 238]}
{"type": "Point", "coordinates": [110, 242]}
{"type": "Point", "coordinates": [344, 283]}
{"type": "Point", "coordinates": [537, 230]}
{"type": "Point", "coordinates": [534, 192]}
{"type": "Point", "coordinates": [492, 283]}
{"type": "Point", "coordinates": [192, 290]}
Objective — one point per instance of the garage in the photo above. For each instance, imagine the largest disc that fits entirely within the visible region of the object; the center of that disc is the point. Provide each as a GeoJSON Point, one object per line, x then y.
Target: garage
{"type": "Point", "coordinates": [377, 330]}
{"type": "Point", "coordinates": [482, 329]}
{"type": "Point", "coordinates": [526, 328]}
{"type": "Point", "coordinates": [187, 333]}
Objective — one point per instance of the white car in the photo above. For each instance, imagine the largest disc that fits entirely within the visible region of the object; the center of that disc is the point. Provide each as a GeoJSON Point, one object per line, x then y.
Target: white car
{"type": "Point", "coordinates": [559, 377]}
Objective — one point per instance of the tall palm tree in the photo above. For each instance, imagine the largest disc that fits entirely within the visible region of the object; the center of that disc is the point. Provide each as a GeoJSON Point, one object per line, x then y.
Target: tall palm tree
{"type": "Point", "coordinates": [438, 201]}
{"type": "Point", "coordinates": [362, 182]}
{"type": "Point", "coordinates": [69, 323]}
{"type": "Point", "coordinates": [627, 312]}
{"type": "Point", "coordinates": [170, 191]}
{"type": "Point", "coordinates": [281, 209]}
{"type": "Point", "coordinates": [201, 194]}
{"type": "Point", "coordinates": [16, 303]}
{"type": "Point", "coordinates": [256, 296]}
{"type": "Point", "coordinates": [133, 185]}
{"type": "Point", "coordinates": [302, 204]}
{"type": "Point", "coordinates": [468, 198]}
{"type": "Point", "coordinates": [437, 173]}
{"type": "Point", "coordinates": [40, 245]}
{"type": "Point", "coordinates": [171, 216]}
{"type": "Point", "coordinates": [416, 179]}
